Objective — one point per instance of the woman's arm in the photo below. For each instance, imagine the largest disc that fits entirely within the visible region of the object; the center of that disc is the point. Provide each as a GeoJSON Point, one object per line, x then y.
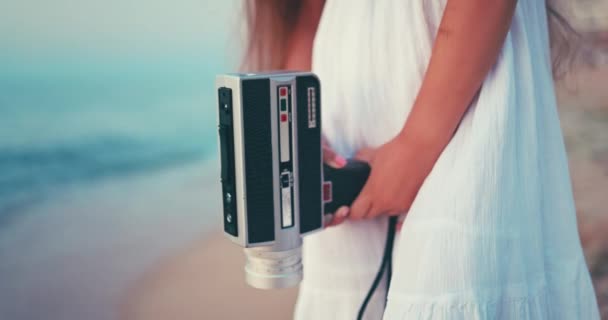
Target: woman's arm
{"type": "Point", "coordinates": [469, 39]}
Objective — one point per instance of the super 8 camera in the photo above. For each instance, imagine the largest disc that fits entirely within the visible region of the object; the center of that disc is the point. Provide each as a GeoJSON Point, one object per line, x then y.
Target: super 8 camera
{"type": "Point", "coordinates": [275, 187]}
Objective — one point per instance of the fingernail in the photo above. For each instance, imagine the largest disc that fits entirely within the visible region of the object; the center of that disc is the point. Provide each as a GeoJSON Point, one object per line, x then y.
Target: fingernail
{"type": "Point", "coordinates": [341, 162]}
{"type": "Point", "coordinates": [342, 212]}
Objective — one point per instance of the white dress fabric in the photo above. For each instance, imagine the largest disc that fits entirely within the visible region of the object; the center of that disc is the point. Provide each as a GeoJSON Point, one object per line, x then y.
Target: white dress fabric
{"type": "Point", "coordinates": [492, 233]}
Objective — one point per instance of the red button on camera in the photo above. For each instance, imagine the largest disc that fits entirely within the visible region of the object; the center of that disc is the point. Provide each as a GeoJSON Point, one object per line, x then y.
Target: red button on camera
{"type": "Point", "coordinates": [283, 91]}
{"type": "Point", "coordinates": [283, 117]}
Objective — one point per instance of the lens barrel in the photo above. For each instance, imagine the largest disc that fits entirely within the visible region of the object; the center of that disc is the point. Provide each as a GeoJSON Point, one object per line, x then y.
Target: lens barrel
{"type": "Point", "coordinates": [266, 269]}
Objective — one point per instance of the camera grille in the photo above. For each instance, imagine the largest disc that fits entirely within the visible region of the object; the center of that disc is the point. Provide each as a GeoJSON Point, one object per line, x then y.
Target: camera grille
{"type": "Point", "coordinates": [258, 160]}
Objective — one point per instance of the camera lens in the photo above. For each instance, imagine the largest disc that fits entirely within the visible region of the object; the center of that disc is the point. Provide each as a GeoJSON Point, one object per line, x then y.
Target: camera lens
{"type": "Point", "coordinates": [271, 269]}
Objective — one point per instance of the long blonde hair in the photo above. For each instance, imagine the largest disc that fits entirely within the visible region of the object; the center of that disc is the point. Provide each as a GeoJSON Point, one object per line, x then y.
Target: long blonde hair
{"type": "Point", "coordinates": [270, 22]}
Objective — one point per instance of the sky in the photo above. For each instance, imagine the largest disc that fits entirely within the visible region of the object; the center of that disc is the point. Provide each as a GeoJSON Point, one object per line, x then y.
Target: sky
{"type": "Point", "coordinates": [119, 27]}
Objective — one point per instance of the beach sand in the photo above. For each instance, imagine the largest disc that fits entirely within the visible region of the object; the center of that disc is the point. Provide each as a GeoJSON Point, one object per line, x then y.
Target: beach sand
{"type": "Point", "coordinates": [75, 255]}
{"type": "Point", "coordinates": [205, 281]}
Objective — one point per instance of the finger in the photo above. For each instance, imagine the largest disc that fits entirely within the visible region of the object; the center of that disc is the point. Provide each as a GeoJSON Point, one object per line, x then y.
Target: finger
{"type": "Point", "coordinates": [399, 226]}
{"type": "Point", "coordinates": [328, 220]}
{"type": "Point", "coordinates": [324, 141]}
{"type": "Point", "coordinates": [340, 215]}
{"type": "Point", "coordinates": [376, 211]}
{"type": "Point", "coordinates": [365, 154]}
{"type": "Point", "coordinates": [332, 219]}
{"type": "Point", "coordinates": [400, 221]}
{"type": "Point", "coordinates": [391, 213]}
{"type": "Point", "coordinates": [373, 212]}
{"type": "Point", "coordinates": [331, 158]}
{"type": "Point", "coordinates": [360, 207]}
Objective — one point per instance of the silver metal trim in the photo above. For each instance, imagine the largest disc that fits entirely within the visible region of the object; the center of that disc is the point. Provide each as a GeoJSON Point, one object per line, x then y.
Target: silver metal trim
{"type": "Point", "coordinates": [286, 238]}
{"type": "Point", "coordinates": [278, 74]}
{"type": "Point", "coordinates": [239, 166]}
{"type": "Point", "coordinates": [276, 175]}
{"type": "Point", "coordinates": [295, 161]}
{"type": "Point", "coordinates": [284, 132]}
{"type": "Point", "coordinates": [286, 209]}
{"type": "Point", "coordinates": [239, 159]}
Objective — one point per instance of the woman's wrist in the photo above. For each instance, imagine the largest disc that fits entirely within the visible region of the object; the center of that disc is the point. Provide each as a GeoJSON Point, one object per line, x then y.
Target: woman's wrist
{"type": "Point", "coordinates": [424, 145]}
{"type": "Point", "coordinates": [424, 140]}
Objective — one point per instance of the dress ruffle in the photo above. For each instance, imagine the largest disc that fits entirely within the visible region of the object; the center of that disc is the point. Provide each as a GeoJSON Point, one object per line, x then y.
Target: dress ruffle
{"type": "Point", "coordinates": [574, 300]}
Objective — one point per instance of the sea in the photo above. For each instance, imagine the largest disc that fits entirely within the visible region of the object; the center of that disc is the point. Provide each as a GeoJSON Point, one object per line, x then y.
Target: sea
{"type": "Point", "coordinates": [74, 120]}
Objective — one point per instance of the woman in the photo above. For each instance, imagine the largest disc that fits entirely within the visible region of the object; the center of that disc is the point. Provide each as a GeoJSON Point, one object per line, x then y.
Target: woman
{"type": "Point", "coordinates": [452, 103]}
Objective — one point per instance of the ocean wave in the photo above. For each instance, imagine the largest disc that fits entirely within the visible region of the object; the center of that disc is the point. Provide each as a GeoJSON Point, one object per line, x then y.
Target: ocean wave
{"type": "Point", "coordinates": [30, 173]}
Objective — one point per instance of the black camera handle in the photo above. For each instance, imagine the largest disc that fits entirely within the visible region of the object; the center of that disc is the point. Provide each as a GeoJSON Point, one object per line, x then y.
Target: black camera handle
{"type": "Point", "coordinates": [341, 187]}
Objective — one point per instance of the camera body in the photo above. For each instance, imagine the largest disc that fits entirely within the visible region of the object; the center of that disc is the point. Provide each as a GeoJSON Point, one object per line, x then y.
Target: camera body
{"type": "Point", "coordinates": [275, 187]}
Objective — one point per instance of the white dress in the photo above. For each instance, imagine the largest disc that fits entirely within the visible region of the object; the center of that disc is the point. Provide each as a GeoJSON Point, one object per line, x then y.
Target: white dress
{"type": "Point", "coordinates": [492, 233]}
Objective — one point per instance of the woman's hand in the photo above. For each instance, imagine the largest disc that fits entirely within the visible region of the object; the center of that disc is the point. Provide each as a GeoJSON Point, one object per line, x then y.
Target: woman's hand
{"type": "Point", "coordinates": [332, 159]}
{"type": "Point", "coordinates": [398, 169]}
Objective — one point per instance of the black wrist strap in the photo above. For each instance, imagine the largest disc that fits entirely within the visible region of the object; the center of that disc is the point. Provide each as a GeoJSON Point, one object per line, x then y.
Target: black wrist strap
{"type": "Point", "coordinates": [386, 265]}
